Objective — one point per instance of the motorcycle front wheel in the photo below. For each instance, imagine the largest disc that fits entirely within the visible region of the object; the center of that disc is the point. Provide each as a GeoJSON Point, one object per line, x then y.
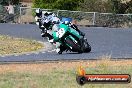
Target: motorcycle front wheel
{"type": "Point", "coordinates": [75, 47]}
{"type": "Point", "coordinates": [87, 47]}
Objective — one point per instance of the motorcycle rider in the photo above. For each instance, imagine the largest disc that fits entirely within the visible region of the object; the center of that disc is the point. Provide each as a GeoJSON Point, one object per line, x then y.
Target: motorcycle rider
{"type": "Point", "coordinates": [44, 21]}
{"type": "Point", "coordinates": [47, 21]}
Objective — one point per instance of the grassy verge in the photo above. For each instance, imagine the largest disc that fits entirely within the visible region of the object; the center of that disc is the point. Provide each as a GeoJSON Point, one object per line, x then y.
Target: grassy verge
{"type": "Point", "coordinates": [61, 74]}
{"type": "Point", "coordinates": [10, 45]}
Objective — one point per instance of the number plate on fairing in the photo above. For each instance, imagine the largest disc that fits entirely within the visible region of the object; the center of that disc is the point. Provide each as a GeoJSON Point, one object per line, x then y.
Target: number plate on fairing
{"type": "Point", "coordinates": [60, 33]}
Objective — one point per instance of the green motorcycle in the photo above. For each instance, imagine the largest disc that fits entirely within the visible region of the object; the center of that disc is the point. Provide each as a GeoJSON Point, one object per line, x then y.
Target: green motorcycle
{"type": "Point", "coordinates": [70, 39]}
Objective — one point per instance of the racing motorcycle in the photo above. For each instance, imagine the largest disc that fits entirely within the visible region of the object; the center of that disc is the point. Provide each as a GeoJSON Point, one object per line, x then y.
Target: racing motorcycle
{"type": "Point", "coordinates": [71, 39]}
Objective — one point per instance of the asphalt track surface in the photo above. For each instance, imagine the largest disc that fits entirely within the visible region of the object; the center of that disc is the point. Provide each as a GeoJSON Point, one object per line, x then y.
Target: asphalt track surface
{"type": "Point", "coordinates": [113, 42]}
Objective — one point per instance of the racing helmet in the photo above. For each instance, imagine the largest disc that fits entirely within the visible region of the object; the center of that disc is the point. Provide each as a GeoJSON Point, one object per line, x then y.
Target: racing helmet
{"type": "Point", "coordinates": [55, 20]}
{"type": "Point", "coordinates": [46, 13]}
{"type": "Point", "coordinates": [51, 13]}
{"type": "Point", "coordinates": [38, 12]}
{"type": "Point", "coordinates": [66, 20]}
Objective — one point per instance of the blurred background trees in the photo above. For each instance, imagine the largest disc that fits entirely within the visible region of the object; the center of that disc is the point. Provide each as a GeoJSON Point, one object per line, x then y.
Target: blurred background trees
{"type": "Point", "coordinates": [6, 2]}
{"type": "Point", "coordinates": [114, 6]}
{"type": "Point", "coordinates": [105, 6]}
{"type": "Point", "coordinates": [96, 6]}
{"type": "Point", "coordinates": [57, 4]}
{"type": "Point", "coordinates": [122, 7]}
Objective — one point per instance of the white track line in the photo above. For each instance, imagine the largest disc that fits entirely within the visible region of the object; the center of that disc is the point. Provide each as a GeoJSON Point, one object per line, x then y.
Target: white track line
{"type": "Point", "coordinates": [2, 56]}
{"type": "Point", "coordinates": [36, 52]}
{"type": "Point", "coordinates": [28, 54]}
{"type": "Point", "coordinates": [16, 55]}
{"type": "Point", "coordinates": [51, 50]}
{"type": "Point", "coordinates": [43, 52]}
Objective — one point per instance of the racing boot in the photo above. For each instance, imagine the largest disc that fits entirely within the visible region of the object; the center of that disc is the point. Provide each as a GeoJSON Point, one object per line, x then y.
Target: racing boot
{"type": "Point", "coordinates": [43, 33]}
{"type": "Point", "coordinates": [50, 37]}
{"type": "Point", "coordinates": [60, 49]}
{"type": "Point", "coordinates": [81, 44]}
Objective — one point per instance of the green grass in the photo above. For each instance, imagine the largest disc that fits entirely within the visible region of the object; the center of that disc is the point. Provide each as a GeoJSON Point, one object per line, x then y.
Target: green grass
{"type": "Point", "coordinates": [55, 79]}
{"type": "Point", "coordinates": [11, 45]}
{"type": "Point", "coordinates": [59, 76]}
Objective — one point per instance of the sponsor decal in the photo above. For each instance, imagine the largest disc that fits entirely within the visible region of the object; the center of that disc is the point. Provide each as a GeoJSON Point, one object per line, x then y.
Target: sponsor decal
{"type": "Point", "coordinates": [83, 78]}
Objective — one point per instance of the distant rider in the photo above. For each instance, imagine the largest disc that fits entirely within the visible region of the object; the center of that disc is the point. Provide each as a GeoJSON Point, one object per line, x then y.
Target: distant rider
{"type": "Point", "coordinates": [44, 21]}
{"type": "Point", "coordinates": [47, 21]}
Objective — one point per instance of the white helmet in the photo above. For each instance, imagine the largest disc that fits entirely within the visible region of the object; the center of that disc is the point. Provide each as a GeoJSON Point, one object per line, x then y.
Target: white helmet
{"type": "Point", "coordinates": [44, 12]}
{"type": "Point", "coordinates": [49, 12]}
{"type": "Point", "coordinates": [53, 15]}
{"type": "Point", "coordinates": [38, 12]}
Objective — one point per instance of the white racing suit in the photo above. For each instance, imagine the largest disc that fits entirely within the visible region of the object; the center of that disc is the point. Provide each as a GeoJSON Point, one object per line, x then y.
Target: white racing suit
{"type": "Point", "coordinates": [45, 24]}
